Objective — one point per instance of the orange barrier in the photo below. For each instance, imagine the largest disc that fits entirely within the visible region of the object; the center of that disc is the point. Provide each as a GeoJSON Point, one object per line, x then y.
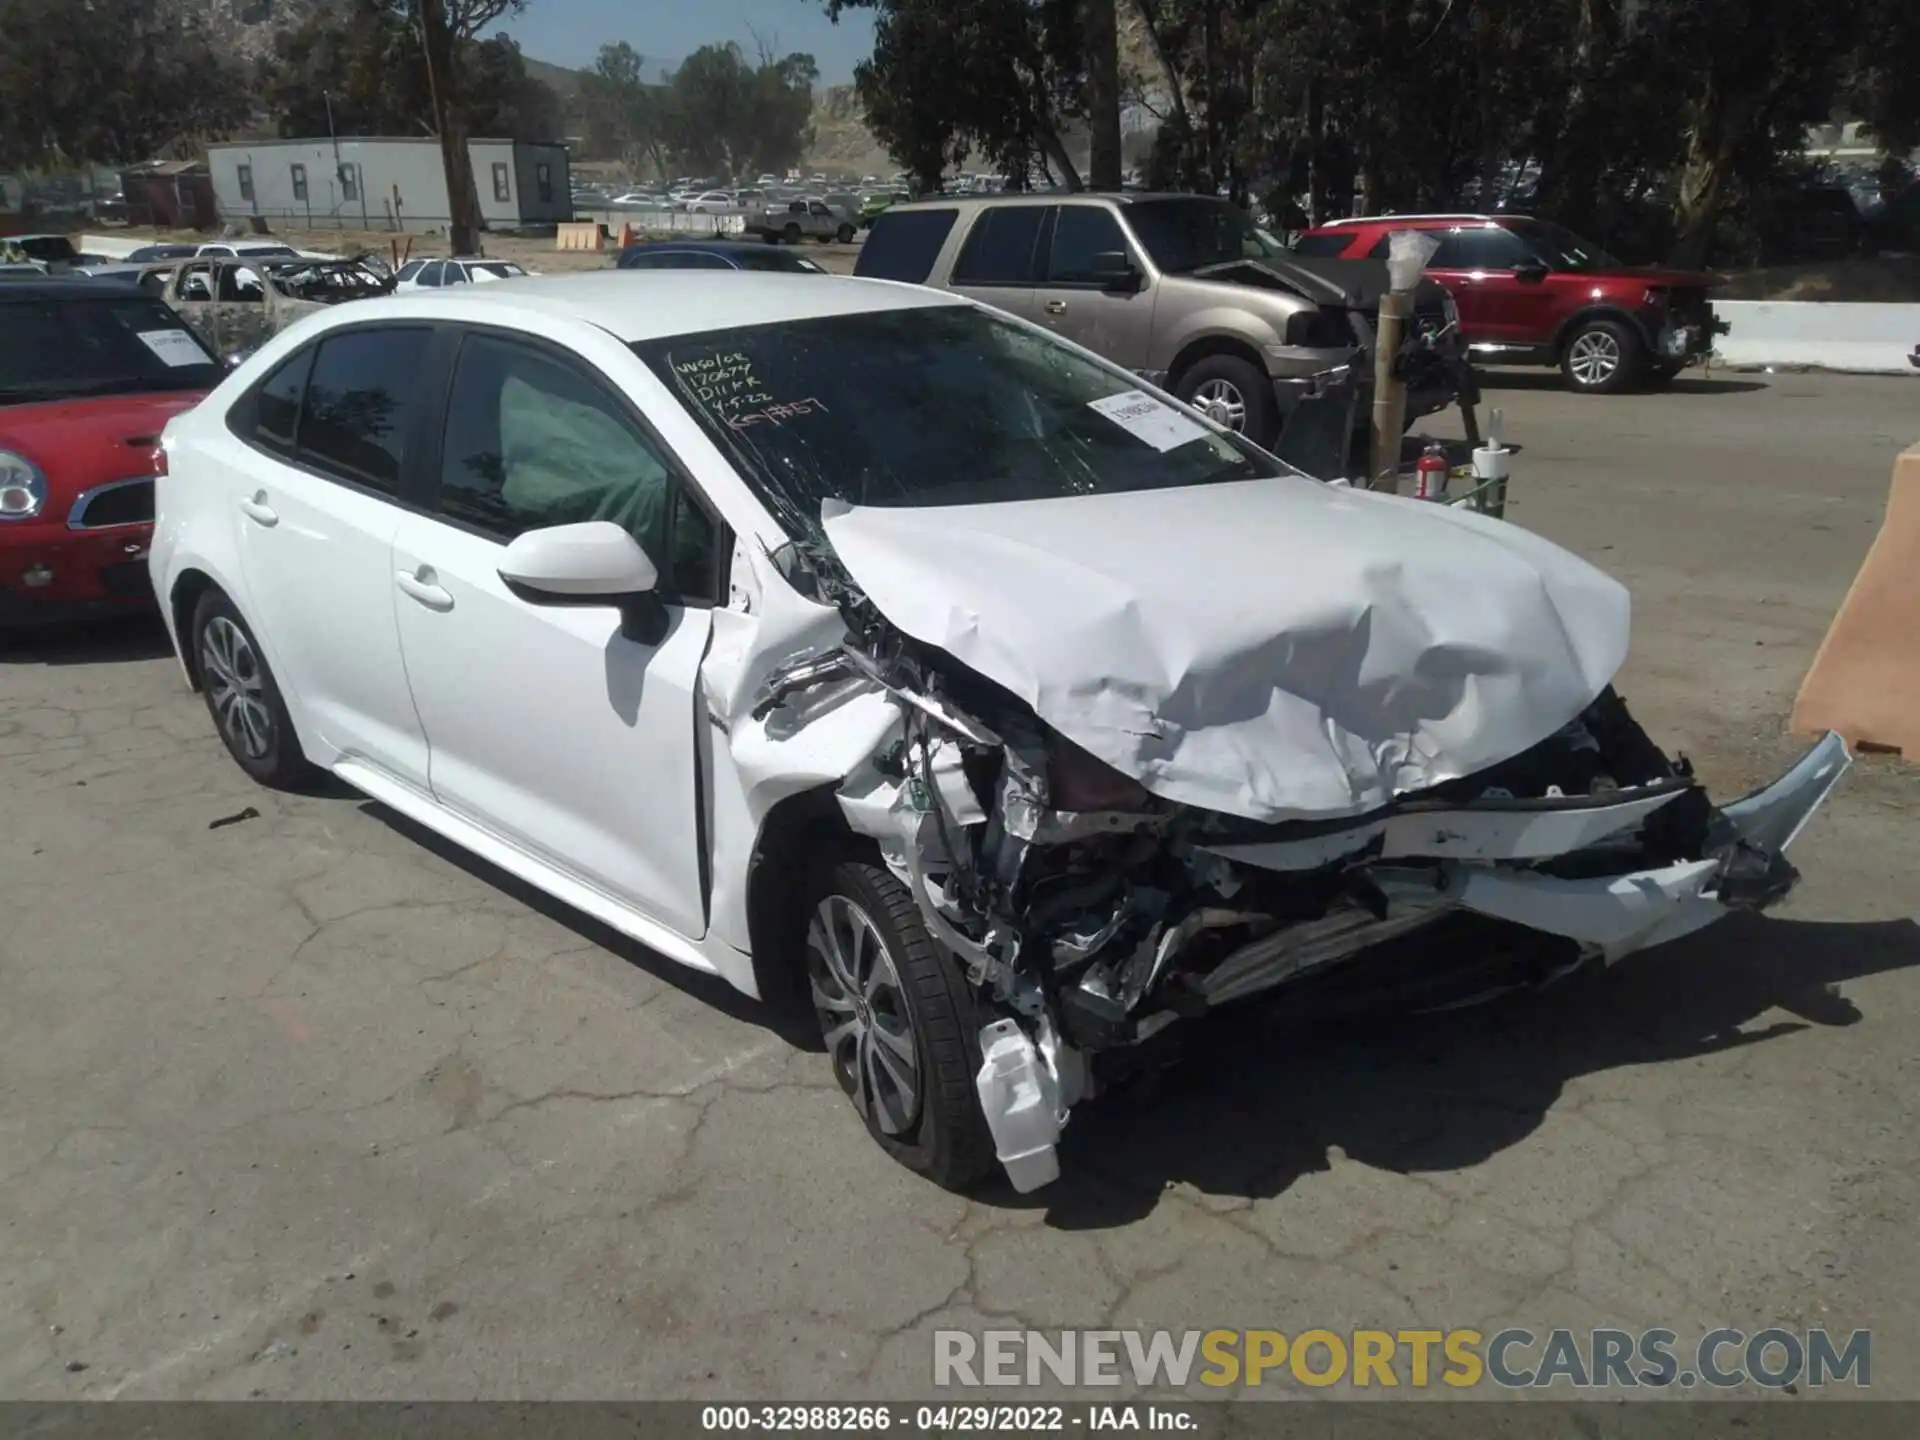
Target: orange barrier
{"type": "Point", "coordinates": [626, 234]}
{"type": "Point", "coordinates": [1865, 681]}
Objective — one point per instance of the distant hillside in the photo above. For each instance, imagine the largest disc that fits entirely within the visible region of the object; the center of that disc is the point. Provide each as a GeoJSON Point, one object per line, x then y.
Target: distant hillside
{"type": "Point", "coordinates": [563, 81]}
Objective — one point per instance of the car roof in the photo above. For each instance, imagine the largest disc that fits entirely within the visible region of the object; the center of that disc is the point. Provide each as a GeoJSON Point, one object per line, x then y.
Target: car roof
{"type": "Point", "coordinates": [1355, 221]}
{"type": "Point", "coordinates": [646, 305]}
{"type": "Point", "coordinates": [62, 288]}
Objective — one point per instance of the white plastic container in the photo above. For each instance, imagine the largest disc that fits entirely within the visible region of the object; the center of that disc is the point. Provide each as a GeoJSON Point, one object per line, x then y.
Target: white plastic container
{"type": "Point", "coordinates": [1021, 1099]}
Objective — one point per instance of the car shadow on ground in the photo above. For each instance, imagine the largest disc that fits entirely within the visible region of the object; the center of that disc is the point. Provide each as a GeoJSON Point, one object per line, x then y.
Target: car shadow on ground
{"type": "Point", "coordinates": [131, 637]}
{"type": "Point", "coordinates": [1690, 383]}
{"type": "Point", "coordinates": [798, 1030]}
{"type": "Point", "coordinates": [1418, 1094]}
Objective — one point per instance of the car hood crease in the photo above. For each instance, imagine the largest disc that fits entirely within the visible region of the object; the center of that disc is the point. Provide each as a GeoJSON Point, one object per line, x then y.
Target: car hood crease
{"type": "Point", "coordinates": [1272, 649]}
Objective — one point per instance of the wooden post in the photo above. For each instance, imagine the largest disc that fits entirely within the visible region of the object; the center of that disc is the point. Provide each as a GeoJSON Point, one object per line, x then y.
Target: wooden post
{"type": "Point", "coordinates": [1389, 392]}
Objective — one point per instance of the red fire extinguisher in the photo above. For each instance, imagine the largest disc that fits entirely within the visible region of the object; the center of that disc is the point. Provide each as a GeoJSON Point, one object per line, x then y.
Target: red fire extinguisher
{"type": "Point", "coordinates": [1430, 474]}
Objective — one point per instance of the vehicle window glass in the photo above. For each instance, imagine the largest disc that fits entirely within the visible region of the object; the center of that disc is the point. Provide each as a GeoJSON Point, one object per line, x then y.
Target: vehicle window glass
{"type": "Point", "coordinates": [410, 269]}
{"type": "Point", "coordinates": [835, 408]}
{"type": "Point", "coordinates": [903, 244]}
{"type": "Point", "coordinates": [999, 248]}
{"type": "Point", "coordinates": [359, 399]}
{"type": "Point", "coordinates": [237, 282]}
{"type": "Point", "coordinates": [531, 441]}
{"type": "Point", "coordinates": [1322, 247]}
{"type": "Point", "coordinates": [1384, 243]}
{"type": "Point", "coordinates": [276, 404]}
{"type": "Point", "coordinates": [697, 260]}
{"type": "Point", "coordinates": [771, 259]}
{"type": "Point", "coordinates": [1559, 247]}
{"type": "Point", "coordinates": [1080, 233]}
{"type": "Point", "coordinates": [430, 275]}
{"type": "Point", "coordinates": [1190, 232]}
{"type": "Point", "coordinates": [1482, 248]}
{"type": "Point", "coordinates": [640, 260]}
{"type": "Point", "coordinates": [453, 274]}
{"type": "Point", "coordinates": [59, 349]}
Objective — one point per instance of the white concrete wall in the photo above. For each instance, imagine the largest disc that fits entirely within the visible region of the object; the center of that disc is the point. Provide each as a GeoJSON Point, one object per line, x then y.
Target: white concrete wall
{"type": "Point", "coordinates": [1866, 338]}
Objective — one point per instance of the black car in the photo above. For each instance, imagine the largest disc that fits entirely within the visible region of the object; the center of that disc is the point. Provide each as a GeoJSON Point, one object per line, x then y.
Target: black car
{"type": "Point", "coordinates": [713, 255]}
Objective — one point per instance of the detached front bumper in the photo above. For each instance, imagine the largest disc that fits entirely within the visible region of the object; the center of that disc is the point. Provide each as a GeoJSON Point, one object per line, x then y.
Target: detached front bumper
{"type": "Point", "coordinates": [50, 574]}
{"type": "Point", "coordinates": [1618, 915]}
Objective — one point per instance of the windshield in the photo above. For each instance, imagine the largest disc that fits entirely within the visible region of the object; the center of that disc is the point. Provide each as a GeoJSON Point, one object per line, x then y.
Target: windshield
{"type": "Point", "coordinates": [60, 349]}
{"type": "Point", "coordinates": [48, 247]}
{"type": "Point", "coordinates": [776, 260]}
{"type": "Point", "coordinates": [1190, 232]}
{"type": "Point", "coordinates": [1561, 248]}
{"type": "Point", "coordinates": [944, 405]}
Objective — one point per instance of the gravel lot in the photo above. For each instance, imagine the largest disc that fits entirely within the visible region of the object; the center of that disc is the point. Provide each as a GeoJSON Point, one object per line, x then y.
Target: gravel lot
{"type": "Point", "coordinates": [294, 1101]}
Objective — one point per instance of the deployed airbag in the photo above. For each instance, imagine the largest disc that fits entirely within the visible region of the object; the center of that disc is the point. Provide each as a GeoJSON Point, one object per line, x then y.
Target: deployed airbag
{"type": "Point", "coordinates": [1273, 649]}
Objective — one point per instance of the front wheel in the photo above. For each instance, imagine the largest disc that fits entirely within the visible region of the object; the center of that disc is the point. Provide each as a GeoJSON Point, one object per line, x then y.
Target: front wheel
{"type": "Point", "coordinates": [792, 233]}
{"type": "Point", "coordinates": [899, 1024]}
{"type": "Point", "coordinates": [1233, 393]}
{"type": "Point", "coordinates": [844, 234]}
{"type": "Point", "coordinates": [1602, 357]}
{"type": "Point", "coordinates": [243, 697]}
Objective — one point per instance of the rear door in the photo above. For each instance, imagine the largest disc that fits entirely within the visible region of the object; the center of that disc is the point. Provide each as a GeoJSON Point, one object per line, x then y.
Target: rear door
{"type": "Point", "coordinates": [318, 494]}
{"type": "Point", "coordinates": [1074, 302]}
{"type": "Point", "coordinates": [999, 259]}
{"type": "Point", "coordinates": [555, 726]}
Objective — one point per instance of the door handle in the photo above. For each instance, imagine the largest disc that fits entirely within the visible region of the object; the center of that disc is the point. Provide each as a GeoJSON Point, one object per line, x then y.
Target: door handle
{"type": "Point", "coordinates": [421, 586]}
{"type": "Point", "coordinates": [256, 509]}
{"type": "Point", "coordinates": [1056, 307]}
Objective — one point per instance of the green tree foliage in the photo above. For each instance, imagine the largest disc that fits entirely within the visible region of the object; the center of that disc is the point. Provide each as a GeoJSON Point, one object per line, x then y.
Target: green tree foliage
{"type": "Point", "coordinates": [111, 81]}
{"type": "Point", "coordinates": [1645, 121]}
{"type": "Point", "coordinates": [363, 59]}
{"type": "Point", "coordinates": [726, 114]}
{"type": "Point", "coordinates": [620, 114]}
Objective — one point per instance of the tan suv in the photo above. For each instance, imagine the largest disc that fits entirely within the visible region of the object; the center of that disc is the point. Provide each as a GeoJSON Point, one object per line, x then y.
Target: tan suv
{"type": "Point", "coordinates": [1182, 289]}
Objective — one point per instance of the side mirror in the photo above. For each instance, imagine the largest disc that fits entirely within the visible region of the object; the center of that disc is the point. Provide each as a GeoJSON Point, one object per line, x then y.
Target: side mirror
{"type": "Point", "coordinates": [1532, 272]}
{"type": "Point", "coordinates": [592, 563]}
{"type": "Point", "coordinates": [1115, 271]}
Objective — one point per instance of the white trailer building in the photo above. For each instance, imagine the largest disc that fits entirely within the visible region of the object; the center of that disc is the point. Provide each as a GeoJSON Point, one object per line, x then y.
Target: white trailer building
{"type": "Point", "coordinates": [379, 182]}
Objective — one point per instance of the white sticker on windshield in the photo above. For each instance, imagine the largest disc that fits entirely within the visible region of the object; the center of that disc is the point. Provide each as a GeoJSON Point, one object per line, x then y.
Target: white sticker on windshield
{"type": "Point", "coordinates": [175, 347]}
{"type": "Point", "coordinates": [1154, 421]}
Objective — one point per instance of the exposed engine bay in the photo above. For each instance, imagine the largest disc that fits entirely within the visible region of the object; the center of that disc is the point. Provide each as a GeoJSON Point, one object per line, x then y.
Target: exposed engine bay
{"type": "Point", "coordinates": [1091, 913]}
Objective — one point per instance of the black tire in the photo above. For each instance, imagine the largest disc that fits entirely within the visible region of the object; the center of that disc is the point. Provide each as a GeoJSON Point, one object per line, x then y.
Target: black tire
{"type": "Point", "coordinates": [844, 234]}
{"type": "Point", "coordinates": [1233, 382]}
{"type": "Point", "coordinates": [792, 233]}
{"type": "Point", "coordinates": [919, 991]}
{"type": "Point", "coordinates": [1584, 357]}
{"type": "Point", "coordinates": [772, 237]}
{"type": "Point", "coordinates": [232, 671]}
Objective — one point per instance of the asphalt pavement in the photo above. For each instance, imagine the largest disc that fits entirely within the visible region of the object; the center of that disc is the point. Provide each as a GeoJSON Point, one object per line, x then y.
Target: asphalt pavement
{"type": "Point", "coordinates": [295, 1101]}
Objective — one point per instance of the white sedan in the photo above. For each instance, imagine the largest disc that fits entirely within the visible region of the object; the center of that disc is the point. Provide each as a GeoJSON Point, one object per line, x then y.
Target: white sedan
{"type": "Point", "coordinates": [879, 653]}
{"type": "Point", "coordinates": [438, 274]}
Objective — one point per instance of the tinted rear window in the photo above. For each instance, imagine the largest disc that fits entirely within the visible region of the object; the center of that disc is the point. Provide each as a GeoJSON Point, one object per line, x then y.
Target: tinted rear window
{"type": "Point", "coordinates": [1325, 247]}
{"type": "Point", "coordinates": [903, 244]}
{"type": "Point", "coordinates": [359, 400]}
{"type": "Point", "coordinates": [58, 349]}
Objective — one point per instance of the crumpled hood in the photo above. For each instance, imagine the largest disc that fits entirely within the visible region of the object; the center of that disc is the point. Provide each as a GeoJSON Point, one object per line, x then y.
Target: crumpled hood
{"type": "Point", "coordinates": [1272, 649]}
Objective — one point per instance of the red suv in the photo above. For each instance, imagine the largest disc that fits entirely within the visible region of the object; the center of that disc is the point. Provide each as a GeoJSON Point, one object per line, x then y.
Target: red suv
{"type": "Point", "coordinates": [1534, 293]}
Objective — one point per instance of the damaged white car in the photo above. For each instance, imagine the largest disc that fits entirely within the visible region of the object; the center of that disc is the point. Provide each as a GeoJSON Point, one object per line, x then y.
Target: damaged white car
{"type": "Point", "coordinates": [867, 647]}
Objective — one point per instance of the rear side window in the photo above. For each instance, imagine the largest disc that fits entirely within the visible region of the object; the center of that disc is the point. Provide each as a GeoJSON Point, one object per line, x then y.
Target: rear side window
{"type": "Point", "coordinates": [903, 244]}
{"type": "Point", "coordinates": [276, 405]}
{"type": "Point", "coordinates": [1322, 247]}
{"type": "Point", "coordinates": [999, 248]}
{"type": "Point", "coordinates": [359, 402]}
{"type": "Point", "coordinates": [1080, 235]}
{"type": "Point", "coordinates": [1479, 249]}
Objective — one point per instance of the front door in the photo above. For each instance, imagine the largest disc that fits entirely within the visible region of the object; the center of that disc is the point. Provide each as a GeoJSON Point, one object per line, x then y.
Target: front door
{"type": "Point", "coordinates": [313, 482]}
{"type": "Point", "coordinates": [547, 725]}
{"type": "Point", "coordinates": [1477, 263]}
{"type": "Point", "coordinates": [1076, 302]}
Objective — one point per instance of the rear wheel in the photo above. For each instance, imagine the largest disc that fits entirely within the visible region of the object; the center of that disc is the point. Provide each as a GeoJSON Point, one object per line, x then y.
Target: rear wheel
{"type": "Point", "coordinates": [900, 1026]}
{"type": "Point", "coordinates": [844, 234]}
{"type": "Point", "coordinates": [1602, 357]}
{"type": "Point", "coordinates": [243, 697]}
{"type": "Point", "coordinates": [792, 233]}
{"type": "Point", "coordinates": [1232, 393]}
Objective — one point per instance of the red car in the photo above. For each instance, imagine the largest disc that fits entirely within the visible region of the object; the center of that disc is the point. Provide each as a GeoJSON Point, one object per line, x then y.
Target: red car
{"type": "Point", "coordinates": [90, 373]}
{"type": "Point", "coordinates": [1534, 293]}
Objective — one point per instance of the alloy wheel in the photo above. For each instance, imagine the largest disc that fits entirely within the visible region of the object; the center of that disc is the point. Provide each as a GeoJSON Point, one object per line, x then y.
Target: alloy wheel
{"type": "Point", "coordinates": [1594, 357]}
{"type": "Point", "coordinates": [863, 1014]}
{"type": "Point", "coordinates": [1222, 403]}
{"type": "Point", "coordinates": [235, 687]}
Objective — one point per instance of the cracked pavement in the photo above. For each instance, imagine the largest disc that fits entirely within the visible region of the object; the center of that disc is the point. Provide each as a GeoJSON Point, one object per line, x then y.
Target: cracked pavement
{"type": "Point", "coordinates": [307, 1104]}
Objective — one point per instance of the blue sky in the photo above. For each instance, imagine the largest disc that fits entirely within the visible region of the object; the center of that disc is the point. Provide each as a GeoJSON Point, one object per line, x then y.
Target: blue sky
{"type": "Point", "coordinates": [571, 32]}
